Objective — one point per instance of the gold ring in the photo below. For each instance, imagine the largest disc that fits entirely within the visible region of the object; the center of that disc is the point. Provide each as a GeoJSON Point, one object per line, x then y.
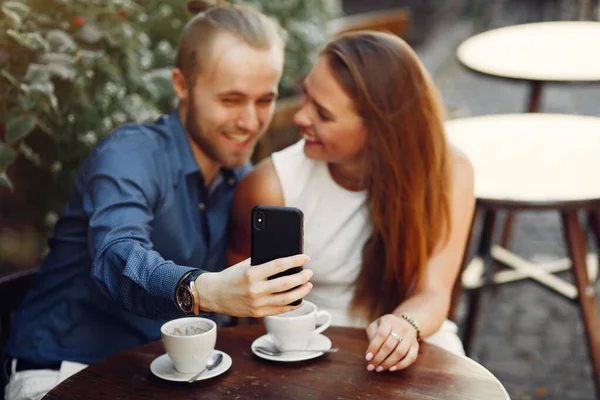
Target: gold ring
{"type": "Point", "coordinates": [400, 338]}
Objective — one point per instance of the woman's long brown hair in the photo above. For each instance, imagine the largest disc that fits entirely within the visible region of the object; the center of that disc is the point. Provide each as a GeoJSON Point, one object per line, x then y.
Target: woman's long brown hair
{"type": "Point", "coordinates": [408, 163]}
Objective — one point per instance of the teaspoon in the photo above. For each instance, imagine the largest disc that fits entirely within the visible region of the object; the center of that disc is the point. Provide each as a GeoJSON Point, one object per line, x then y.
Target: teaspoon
{"type": "Point", "coordinates": [274, 352]}
{"type": "Point", "coordinates": [213, 362]}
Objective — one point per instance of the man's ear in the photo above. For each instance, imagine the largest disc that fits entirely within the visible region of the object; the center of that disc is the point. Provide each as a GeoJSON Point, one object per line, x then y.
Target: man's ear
{"type": "Point", "coordinates": [179, 85]}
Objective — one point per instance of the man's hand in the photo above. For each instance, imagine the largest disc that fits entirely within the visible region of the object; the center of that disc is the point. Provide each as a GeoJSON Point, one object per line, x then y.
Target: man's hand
{"type": "Point", "coordinates": [243, 290]}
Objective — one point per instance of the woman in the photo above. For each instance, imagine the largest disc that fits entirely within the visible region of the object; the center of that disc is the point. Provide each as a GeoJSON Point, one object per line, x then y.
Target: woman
{"type": "Point", "coordinates": [387, 202]}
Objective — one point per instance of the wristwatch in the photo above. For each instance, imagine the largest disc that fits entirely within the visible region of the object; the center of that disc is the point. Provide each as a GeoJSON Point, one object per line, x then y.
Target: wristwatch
{"type": "Point", "coordinates": [186, 295]}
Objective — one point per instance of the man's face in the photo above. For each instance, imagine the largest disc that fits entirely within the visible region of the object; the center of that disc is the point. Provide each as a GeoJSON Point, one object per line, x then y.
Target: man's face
{"type": "Point", "coordinates": [231, 102]}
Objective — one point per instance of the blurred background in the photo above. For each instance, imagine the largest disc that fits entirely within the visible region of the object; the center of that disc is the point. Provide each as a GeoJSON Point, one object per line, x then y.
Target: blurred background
{"type": "Point", "coordinates": [73, 70]}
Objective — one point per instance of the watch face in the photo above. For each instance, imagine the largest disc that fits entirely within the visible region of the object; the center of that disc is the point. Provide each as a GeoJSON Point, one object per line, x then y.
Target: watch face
{"type": "Point", "coordinates": [185, 299]}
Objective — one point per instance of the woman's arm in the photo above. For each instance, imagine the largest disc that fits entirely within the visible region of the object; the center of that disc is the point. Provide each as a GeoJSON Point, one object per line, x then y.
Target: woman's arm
{"type": "Point", "coordinates": [261, 186]}
{"type": "Point", "coordinates": [429, 302]}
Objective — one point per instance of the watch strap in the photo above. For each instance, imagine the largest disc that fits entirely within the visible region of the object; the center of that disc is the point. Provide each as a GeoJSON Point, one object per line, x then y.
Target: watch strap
{"type": "Point", "coordinates": [187, 280]}
{"type": "Point", "coordinates": [191, 276]}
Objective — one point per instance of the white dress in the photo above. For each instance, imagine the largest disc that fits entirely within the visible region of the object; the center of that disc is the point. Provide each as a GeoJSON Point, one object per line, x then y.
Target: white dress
{"type": "Point", "coordinates": [336, 227]}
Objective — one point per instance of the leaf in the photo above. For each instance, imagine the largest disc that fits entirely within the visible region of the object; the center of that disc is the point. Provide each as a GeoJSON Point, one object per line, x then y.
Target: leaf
{"type": "Point", "coordinates": [5, 181]}
{"type": "Point", "coordinates": [57, 58]}
{"type": "Point", "coordinates": [21, 9]}
{"type": "Point", "coordinates": [10, 78]}
{"type": "Point", "coordinates": [60, 40]}
{"type": "Point", "coordinates": [87, 59]}
{"type": "Point", "coordinates": [59, 65]}
{"type": "Point", "coordinates": [39, 42]}
{"type": "Point", "coordinates": [32, 41]}
{"type": "Point", "coordinates": [25, 102]}
{"type": "Point", "coordinates": [15, 12]}
{"type": "Point", "coordinates": [90, 33]}
{"type": "Point", "coordinates": [43, 89]}
{"type": "Point", "coordinates": [39, 72]}
{"type": "Point", "coordinates": [7, 155]}
{"type": "Point", "coordinates": [29, 154]}
{"type": "Point", "coordinates": [17, 128]}
{"type": "Point", "coordinates": [13, 18]}
{"type": "Point", "coordinates": [45, 128]}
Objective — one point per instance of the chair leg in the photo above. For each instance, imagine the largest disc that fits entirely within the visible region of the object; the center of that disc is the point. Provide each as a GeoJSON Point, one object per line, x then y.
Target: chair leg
{"type": "Point", "coordinates": [594, 227]}
{"type": "Point", "coordinates": [575, 240]}
{"type": "Point", "coordinates": [457, 290]}
{"type": "Point", "coordinates": [474, 296]}
{"type": "Point", "coordinates": [507, 230]}
{"type": "Point", "coordinates": [4, 331]}
{"type": "Point", "coordinates": [592, 230]}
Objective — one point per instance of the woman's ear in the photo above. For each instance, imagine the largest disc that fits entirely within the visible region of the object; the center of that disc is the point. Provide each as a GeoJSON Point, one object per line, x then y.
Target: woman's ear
{"type": "Point", "coordinates": [179, 85]}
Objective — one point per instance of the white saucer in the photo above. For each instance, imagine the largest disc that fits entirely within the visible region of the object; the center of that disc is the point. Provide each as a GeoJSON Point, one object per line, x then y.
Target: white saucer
{"type": "Point", "coordinates": [162, 366]}
{"type": "Point", "coordinates": [317, 342]}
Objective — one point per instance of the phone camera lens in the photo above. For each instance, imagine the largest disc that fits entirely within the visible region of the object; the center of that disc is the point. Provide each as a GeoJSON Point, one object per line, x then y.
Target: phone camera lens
{"type": "Point", "coordinates": [259, 220]}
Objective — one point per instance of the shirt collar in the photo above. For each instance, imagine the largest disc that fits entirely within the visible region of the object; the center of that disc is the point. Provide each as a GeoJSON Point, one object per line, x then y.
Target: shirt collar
{"type": "Point", "coordinates": [186, 157]}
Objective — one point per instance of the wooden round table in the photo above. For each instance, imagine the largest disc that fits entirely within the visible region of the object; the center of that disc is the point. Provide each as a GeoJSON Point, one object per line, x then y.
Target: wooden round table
{"type": "Point", "coordinates": [539, 52]}
{"type": "Point", "coordinates": [437, 374]}
{"type": "Point", "coordinates": [531, 160]}
{"type": "Point", "coordinates": [535, 162]}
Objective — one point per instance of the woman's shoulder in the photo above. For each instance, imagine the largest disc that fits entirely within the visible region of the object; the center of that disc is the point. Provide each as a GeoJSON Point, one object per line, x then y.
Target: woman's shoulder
{"type": "Point", "coordinates": [261, 185]}
{"type": "Point", "coordinates": [292, 154]}
{"type": "Point", "coordinates": [462, 169]}
{"type": "Point", "coordinates": [274, 180]}
{"type": "Point", "coordinates": [294, 171]}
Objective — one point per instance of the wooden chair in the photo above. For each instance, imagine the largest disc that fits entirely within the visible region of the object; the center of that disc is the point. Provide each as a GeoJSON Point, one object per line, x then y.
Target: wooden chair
{"type": "Point", "coordinates": [281, 132]}
{"type": "Point", "coordinates": [525, 162]}
{"type": "Point", "coordinates": [394, 20]}
{"type": "Point", "coordinates": [13, 288]}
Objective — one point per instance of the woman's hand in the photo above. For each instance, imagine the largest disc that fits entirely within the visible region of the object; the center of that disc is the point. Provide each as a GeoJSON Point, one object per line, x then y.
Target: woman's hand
{"type": "Point", "coordinates": [393, 344]}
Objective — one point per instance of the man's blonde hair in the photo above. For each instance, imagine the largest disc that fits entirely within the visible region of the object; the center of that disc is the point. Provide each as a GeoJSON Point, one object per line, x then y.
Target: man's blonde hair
{"type": "Point", "coordinates": [251, 26]}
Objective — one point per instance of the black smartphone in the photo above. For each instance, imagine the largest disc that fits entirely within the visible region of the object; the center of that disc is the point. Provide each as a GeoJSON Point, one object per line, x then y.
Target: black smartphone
{"type": "Point", "coordinates": [276, 232]}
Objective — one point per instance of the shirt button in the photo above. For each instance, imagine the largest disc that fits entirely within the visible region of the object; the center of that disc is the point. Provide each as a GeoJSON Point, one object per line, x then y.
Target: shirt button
{"type": "Point", "coordinates": [202, 206]}
{"type": "Point", "coordinates": [231, 181]}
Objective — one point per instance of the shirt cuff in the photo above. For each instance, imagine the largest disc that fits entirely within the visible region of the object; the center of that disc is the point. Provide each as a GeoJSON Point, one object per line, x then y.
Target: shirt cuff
{"type": "Point", "coordinates": [164, 279]}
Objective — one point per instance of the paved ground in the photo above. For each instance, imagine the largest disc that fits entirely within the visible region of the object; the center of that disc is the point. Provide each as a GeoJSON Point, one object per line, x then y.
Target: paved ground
{"type": "Point", "coordinates": [532, 340]}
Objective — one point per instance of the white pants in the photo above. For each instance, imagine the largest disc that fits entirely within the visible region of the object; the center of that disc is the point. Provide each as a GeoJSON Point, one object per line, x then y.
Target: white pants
{"type": "Point", "coordinates": [447, 338]}
{"type": "Point", "coordinates": [34, 384]}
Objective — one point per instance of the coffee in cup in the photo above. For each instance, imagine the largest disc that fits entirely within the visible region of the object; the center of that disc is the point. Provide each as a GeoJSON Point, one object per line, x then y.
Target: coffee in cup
{"type": "Point", "coordinates": [189, 342]}
{"type": "Point", "coordinates": [294, 329]}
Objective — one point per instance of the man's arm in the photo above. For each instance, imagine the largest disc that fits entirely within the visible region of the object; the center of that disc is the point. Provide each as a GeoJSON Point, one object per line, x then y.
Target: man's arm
{"type": "Point", "coordinates": [122, 190]}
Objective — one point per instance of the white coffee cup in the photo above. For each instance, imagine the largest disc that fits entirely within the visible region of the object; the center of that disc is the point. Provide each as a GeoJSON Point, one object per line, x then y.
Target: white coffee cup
{"type": "Point", "coordinates": [293, 330]}
{"type": "Point", "coordinates": [189, 342]}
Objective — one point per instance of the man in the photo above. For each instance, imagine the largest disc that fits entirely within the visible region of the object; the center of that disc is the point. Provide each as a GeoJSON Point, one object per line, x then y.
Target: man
{"type": "Point", "coordinates": [143, 236]}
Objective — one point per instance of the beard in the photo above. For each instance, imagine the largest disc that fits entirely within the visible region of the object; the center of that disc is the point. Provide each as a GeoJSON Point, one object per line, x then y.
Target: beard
{"type": "Point", "coordinates": [209, 145]}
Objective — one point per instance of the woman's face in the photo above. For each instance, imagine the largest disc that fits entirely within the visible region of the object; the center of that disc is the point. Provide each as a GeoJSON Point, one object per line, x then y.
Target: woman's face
{"type": "Point", "coordinates": [328, 120]}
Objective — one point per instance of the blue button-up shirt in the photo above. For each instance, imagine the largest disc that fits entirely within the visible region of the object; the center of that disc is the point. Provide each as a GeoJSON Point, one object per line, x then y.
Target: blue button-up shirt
{"type": "Point", "coordinates": [139, 217]}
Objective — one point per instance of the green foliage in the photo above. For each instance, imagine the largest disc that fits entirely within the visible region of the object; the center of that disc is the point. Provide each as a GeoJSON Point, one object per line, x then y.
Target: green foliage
{"type": "Point", "coordinates": [304, 22]}
{"type": "Point", "coordinates": [71, 71]}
